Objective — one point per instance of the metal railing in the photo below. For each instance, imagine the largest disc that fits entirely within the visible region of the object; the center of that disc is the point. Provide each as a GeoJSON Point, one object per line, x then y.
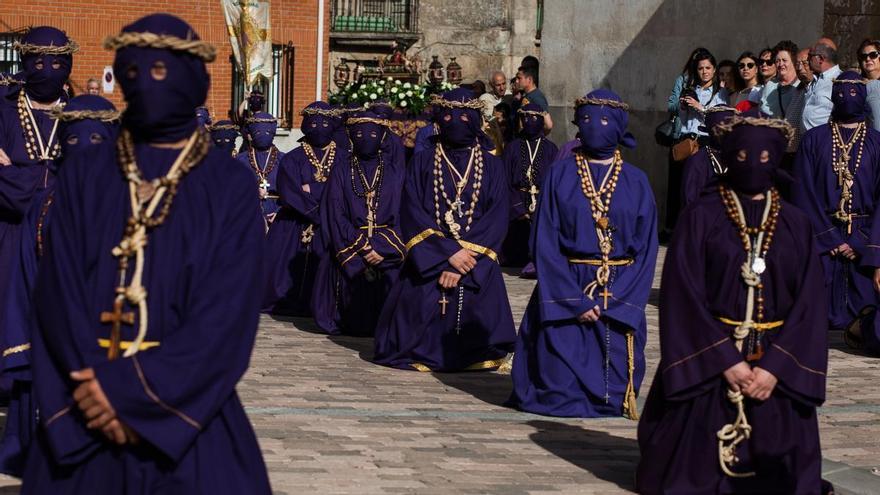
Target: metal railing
{"type": "Point", "coordinates": [375, 16]}
{"type": "Point", "coordinates": [10, 63]}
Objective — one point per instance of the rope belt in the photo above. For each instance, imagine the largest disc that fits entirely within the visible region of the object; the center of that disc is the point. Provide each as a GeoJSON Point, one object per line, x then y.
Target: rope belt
{"type": "Point", "coordinates": [595, 262]}
{"type": "Point", "coordinates": [756, 326]}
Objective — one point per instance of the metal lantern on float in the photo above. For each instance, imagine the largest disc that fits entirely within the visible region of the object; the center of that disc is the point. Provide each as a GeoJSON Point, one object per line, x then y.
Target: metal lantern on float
{"type": "Point", "coordinates": [435, 71]}
{"type": "Point", "coordinates": [453, 72]}
{"type": "Point", "coordinates": [341, 74]}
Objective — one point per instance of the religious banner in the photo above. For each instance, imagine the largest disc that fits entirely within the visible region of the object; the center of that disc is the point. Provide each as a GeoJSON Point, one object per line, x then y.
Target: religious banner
{"type": "Point", "coordinates": [249, 34]}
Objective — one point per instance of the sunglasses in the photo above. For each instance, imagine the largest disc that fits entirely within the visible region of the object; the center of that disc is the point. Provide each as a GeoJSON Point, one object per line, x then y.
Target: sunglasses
{"type": "Point", "coordinates": [872, 55]}
{"type": "Point", "coordinates": [747, 65]}
{"type": "Point", "coordinates": [765, 61]}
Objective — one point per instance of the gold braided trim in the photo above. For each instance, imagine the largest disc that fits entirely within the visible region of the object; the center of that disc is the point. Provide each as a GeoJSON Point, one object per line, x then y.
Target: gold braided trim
{"type": "Point", "coordinates": [125, 344]}
{"type": "Point", "coordinates": [320, 111]}
{"type": "Point", "coordinates": [224, 127]}
{"type": "Point", "coordinates": [261, 120]}
{"type": "Point", "coordinates": [421, 236]}
{"type": "Point", "coordinates": [58, 113]}
{"type": "Point", "coordinates": [593, 262]}
{"type": "Point", "coordinates": [486, 365]}
{"type": "Point", "coordinates": [359, 238]}
{"type": "Point", "coordinates": [420, 367]}
{"type": "Point", "coordinates": [757, 326]}
{"type": "Point", "coordinates": [27, 48]}
{"type": "Point", "coordinates": [601, 102]}
{"type": "Point", "coordinates": [16, 349]}
{"type": "Point", "coordinates": [630, 407]}
{"type": "Point", "coordinates": [199, 48]}
{"type": "Point", "coordinates": [393, 244]}
{"type": "Point", "coordinates": [57, 415]}
{"type": "Point", "coordinates": [474, 104]}
{"type": "Point", "coordinates": [779, 124]}
{"type": "Point", "coordinates": [531, 112]}
{"type": "Point", "coordinates": [849, 81]}
{"type": "Point", "coordinates": [721, 108]}
{"type": "Point", "coordinates": [367, 120]}
{"type": "Point", "coordinates": [479, 249]}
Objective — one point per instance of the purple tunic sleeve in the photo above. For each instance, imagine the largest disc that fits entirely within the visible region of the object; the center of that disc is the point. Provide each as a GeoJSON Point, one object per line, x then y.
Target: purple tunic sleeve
{"type": "Point", "coordinates": [167, 394]}
{"type": "Point", "coordinates": [798, 354]}
{"type": "Point", "coordinates": [561, 296]}
{"type": "Point", "coordinates": [695, 348]}
{"type": "Point", "coordinates": [346, 240]}
{"type": "Point", "coordinates": [17, 187]}
{"type": "Point", "coordinates": [871, 255]}
{"type": "Point", "coordinates": [427, 249]}
{"type": "Point", "coordinates": [810, 163]}
{"type": "Point", "coordinates": [632, 285]}
{"type": "Point", "coordinates": [290, 188]}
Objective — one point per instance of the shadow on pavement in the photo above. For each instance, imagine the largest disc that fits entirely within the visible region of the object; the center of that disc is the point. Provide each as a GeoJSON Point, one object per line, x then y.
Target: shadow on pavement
{"type": "Point", "coordinates": [489, 387]}
{"type": "Point", "coordinates": [605, 456]}
{"type": "Point", "coordinates": [362, 345]}
{"type": "Point", "coordinates": [836, 342]}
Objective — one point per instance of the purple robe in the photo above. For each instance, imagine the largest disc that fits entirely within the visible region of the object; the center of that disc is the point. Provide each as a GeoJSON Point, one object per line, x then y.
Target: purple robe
{"type": "Point", "coordinates": [269, 204]}
{"type": "Point", "coordinates": [562, 367]}
{"type": "Point", "coordinates": [350, 299]}
{"type": "Point", "coordinates": [515, 250]}
{"type": "Point", "coordinates": [16, 324]}
{"type": "Point", "coordinates": [412, 333]}
{"type": "Point", "coordinates": [849, 283]}
{"type": "Point", "coordinates": [202, 276]}
{"type": "Point", "coordinates": [688, 404]}
{"type": "Point", "coordinates": [291, 265]}
{"type": "Point", "coordinates": [18, 184]}
{"type": "Point", "coordinates": [698, 176]}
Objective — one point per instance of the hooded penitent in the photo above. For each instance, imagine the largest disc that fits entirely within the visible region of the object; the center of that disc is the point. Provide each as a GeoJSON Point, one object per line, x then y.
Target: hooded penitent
{"type": "Point", "coordinates": [366, 134]}
{"type": "Point", "coordinates": [203, 116]}
{"type": "Point", "coordinates": [261, 129]}
{"type": "Point", "coordinates": [531, 121]}
{"type": "Point", "coordinates": [87, 121]}
{"type": "Point", "coordinates": [162, 86]}
{"type": "Point", "coordinates": [224, 134]}
{"type": "Point", "coordinates": [47, 57]}
{"type": "Point", "coordinates": [752, 150]}
{"type": "Point", "coordinates": [459, 119]}
{"type": "Point", "coordinates": [849, 93]}
{"type": "Point", "coordinates": [602, 120]}
{"type": "Point", "coordinates": [318, 124]}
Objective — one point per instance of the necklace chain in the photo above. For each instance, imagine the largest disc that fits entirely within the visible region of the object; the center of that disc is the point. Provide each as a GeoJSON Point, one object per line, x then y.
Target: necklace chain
{"type": "Point", "coordinates": [264, 171]}
{"type": "Point", "coordinates": [322, 166]}
{"type": "Point", "coordinates": [475, 162]}
{"type": "Point", "coordinates": [33, 138]}
{"type": "Point", "coordinates": [841, 157]}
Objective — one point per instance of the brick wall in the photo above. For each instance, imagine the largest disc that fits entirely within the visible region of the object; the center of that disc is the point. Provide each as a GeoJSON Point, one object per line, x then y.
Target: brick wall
{"type": "Point", "coordinates": [89, 22]}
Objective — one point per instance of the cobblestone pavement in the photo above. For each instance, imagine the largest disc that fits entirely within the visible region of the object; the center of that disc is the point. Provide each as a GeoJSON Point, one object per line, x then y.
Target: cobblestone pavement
{"type": "Point", "coordinates": [330, 422]}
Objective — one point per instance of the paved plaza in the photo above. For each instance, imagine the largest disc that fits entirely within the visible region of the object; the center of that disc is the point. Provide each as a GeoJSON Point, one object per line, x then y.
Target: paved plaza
{"type": "Point", "coordinates": [330, 422]}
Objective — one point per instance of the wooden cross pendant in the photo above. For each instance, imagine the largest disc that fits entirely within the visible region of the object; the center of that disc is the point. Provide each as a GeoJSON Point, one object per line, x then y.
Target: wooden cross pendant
{"type": "Point", "coordinates": [605, 295]}
{"type": "Point", "coordinates": [443, 302]}
{"type": "Point", "coordinates": [116, 318]}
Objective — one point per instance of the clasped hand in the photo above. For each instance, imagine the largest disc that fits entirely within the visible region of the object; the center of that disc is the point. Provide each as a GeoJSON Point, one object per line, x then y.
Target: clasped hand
{"type": "Point", "coordinates": [845, 251]}
{"type": "Point", "coordinates": [756, 383]}
{"type": "Point", "coordinates": [372, 257]}
{"type": "Point", "coordinates": [98, 411]}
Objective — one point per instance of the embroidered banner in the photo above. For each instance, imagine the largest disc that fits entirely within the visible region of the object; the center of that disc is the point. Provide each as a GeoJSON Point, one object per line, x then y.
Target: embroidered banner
{"type": "Point", "coordinates": [249, 33]}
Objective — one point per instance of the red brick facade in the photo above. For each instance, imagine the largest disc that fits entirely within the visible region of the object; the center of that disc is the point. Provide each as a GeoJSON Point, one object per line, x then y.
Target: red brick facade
{"type": "Point", "coordinates": [89, 22]}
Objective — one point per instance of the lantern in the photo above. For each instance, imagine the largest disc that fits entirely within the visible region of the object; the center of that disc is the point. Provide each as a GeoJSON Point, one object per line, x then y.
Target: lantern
{"type": "Point", "coordinates": [453, 72]}
{"type": "Point", "coordinates": [435, 71]}
{"type": "Point", "coordinates": [341, 74]}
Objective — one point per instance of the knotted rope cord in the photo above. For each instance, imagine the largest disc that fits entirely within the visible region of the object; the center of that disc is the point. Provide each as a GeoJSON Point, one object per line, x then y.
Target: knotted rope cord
{"type": "Point", "coordinates": [841, 154]}
{"type": "Point", "coordinates": [732, 434]}
{"type": "Point", "coordinates": [135, 239]}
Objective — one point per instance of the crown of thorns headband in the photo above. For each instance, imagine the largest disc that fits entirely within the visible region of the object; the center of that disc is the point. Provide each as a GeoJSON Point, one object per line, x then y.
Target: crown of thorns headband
{"type": "Point", "coordinates": [28, 48]}
{"type": "Point", "coordinates": [601, 102]}
{"type": "Point", "coordinates": [474, 104]}
{"type": "Point", "coordinates": [224, 127]}
{"type": "Point", "coordinates": [521, 111]}
{"type": "Point", "coordinates": [849, 81]}
{"type": "Point", "coordinates": [320, 111]}
{"type": "Point", "coordinates": [261, 120]}
{"type": "Point", "coordinates": [778, 124]}
{"type": "Point", "coordinates": [58, 113]}
{"type": "Point", "coordinates": [9, 80]}
{"type": "Point", "coordinates": [367, 120]}
{"type": "Point", "coordinates": [199, 48]}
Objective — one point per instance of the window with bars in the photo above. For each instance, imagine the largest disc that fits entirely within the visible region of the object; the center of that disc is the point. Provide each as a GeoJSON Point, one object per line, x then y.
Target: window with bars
{"type": "Point", "coordinates": [278, 91]}
{"type": "Point", "coordinates": [10, 63]}
{"type": "Point", "coordinates": [376, 16]}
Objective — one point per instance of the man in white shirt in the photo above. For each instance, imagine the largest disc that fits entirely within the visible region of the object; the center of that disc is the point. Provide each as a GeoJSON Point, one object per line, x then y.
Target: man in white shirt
{"type": "Point", "coordinates": [496, 93]}
{"type": "Point", "coordinates": [817, 109]}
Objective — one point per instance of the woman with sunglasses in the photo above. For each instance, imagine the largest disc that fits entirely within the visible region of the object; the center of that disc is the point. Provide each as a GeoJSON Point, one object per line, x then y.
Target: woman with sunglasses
{"type": "Point", "coordinates": [747, 82]}
{"type": "Point", "coordinates": [869, 59]}
{"type": "Point", "coordinates": [767, 64]}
